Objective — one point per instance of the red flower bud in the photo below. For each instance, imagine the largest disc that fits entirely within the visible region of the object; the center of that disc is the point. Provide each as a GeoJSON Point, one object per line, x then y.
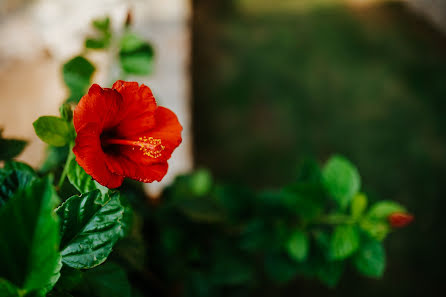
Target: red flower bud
{"type": "Point", "coordinates": [400, 219]}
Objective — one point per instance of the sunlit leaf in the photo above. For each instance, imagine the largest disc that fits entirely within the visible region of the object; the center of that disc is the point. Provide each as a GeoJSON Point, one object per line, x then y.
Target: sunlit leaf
{"type": "Point", "coordinates": [53, 130]}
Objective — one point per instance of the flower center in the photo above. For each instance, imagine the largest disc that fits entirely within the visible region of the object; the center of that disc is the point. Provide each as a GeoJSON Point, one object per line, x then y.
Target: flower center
{"type": "Point", "coordinates": [149, 146]}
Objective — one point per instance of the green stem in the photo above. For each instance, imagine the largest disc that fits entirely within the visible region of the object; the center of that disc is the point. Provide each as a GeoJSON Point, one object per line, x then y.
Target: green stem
{"type": "Point", "coordinates": [67, 164]}
{"type": "Point", "coordinates": [335, 219]}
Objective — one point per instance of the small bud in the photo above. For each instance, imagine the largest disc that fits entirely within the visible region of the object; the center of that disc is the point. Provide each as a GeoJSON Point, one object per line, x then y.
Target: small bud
{"type": "Point", "coordinates": [400, 219]}
{"type": "Point", "coordinates": [66, 112]}
{"type": "Point", "coordinates": [129, 19]}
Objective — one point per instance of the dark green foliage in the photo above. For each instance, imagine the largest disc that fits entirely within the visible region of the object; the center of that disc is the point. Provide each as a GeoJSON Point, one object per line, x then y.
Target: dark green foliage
{"type": "Point", "coordinates": [10, 148]}
{"type": "Point", "coordinates": [136, 55]}
{"type": "Point", "coordinates": [90, 226]}
{"type": "Point", "coordinates": [236, 237]}
{"type": "Point", "coordinates": [14, 176]}
{"type": "Point", "coordinates": [29, 229]}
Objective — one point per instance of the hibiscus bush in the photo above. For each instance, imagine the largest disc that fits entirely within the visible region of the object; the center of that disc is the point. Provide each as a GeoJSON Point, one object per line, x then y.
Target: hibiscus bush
{"type": "Point", "coordinates": [81, 225]}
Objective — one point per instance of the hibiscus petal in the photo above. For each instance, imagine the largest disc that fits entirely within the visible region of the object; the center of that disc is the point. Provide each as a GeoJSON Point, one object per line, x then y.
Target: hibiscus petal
{"type": "Point", "coordinates": [92, 159]}
{"type": "Point", "coordinates": [100, 106]}
{"type": "Point", "coordinates": [140, 106]}
{"type": "Point", "coordinates": [133, 163]}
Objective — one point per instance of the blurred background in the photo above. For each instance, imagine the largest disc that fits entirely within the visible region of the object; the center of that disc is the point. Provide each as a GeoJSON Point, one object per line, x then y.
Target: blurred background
{"type": "Point", "coordinates": [261, 85]}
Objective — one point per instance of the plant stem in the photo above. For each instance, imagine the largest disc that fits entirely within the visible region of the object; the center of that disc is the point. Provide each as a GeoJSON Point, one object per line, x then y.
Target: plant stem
{"type": "Point", "coordinates": [65, 169]}
{"type": "Point", "coordinates": [335, 219]}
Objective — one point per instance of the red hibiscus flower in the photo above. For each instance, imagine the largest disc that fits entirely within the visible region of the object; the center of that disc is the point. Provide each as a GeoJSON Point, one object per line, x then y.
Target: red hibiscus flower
{"type": "Point", "coordinates": [400, 219]}
{"type": "Point", "coordinates": [121, 132]}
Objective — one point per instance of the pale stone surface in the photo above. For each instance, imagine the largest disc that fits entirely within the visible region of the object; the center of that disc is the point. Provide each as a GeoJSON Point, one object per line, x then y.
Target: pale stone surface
{"type": "Point", "coordinates": [36, 39]}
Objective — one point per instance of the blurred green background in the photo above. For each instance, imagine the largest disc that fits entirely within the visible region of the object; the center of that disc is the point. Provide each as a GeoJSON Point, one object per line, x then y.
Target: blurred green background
{"type": "Point", "coordinates": [274, 84]}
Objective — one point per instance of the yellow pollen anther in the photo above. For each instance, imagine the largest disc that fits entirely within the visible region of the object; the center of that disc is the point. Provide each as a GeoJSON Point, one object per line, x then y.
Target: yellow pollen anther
{"type": "Point", "coordinates": [150, 146]}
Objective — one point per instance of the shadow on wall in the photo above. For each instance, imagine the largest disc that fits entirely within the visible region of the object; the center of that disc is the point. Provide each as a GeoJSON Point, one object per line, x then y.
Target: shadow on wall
{"type": "Point", "coordinates": [271, 88]}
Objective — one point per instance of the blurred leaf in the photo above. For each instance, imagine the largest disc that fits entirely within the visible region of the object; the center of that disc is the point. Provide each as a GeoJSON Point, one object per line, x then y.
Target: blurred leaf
{"type": "Point", "coordinates": [371, 259]}
{"type": "Point", "coordinates": [375, 228]}
{"type": "Point", "coordinates": [70, 278]}
{"type": "Point", "coordinates": [103, 29]}
{"type": "Point", "coordinates": [10, 148]}
{"type": "Point", "coordinates": [305, 199]}
{"type": "Point", "coordinates": [382, 209]}
{"type": "Point", "coordinates": [81, 180]}
{"type": "Point", "coordinates": [201, 209]}
{"type": "Point", "coordinates": [279, 268]}
{"type": "Point", "coordinates": [231, 270]}
{"type": "Point", "coordinates": [344, 242]}
{"type": "Point", "coordinates": [201, 182]}
{"type": "Point", "coordinates": [7, 289]}
{"type": "Point", "coordinates": [97, 43]}
{"type": "Point", "coordinates": [91, 225]}
{"type": "Point", "coordinates": [14, 177]}
{"type": "Point", "coordinates": [30, 259]}
{"type": "Point", "coordinates": [298, 246]}
{"type": "Point", "coordinates": [136, 55]}
{"type": "Point", "coordinates": [53, 130]}
{"type": "Point", "coordinates": [77, 74]}
{"type": "Point", "coordinates": [330, 273]}
{"type": "Point", "coordinates": [359, 204]}
{"type": "Point", "coordinates": [309, 171]}
{"type": "Point", "coordinates": [106, 280]}
{"type": "Point", "coordinates": [102, 25]}
{"type": "Point", "coordinates": [55, 156]}
{"type": "Point", "coordinates": [341, 179]}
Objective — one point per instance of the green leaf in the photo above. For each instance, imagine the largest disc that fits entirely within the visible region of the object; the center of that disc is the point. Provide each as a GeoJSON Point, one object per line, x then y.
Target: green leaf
{"type": "Point", "coordinates": [7, 289]}
{"type": "Point", "coordinates": [136, 55]}
{"type": "Point", "coordinates": [375, 228]}
{"type": "Point", "coordinates": [279, 268]}
{"type": "Point", "coordinates": [102, 25]}
{"type": "Point", "coordinates": [97, 43]}
{"type": "Point", "coordinates": [10, 148]}
{"type": "Point", "coordinates": [77, 74]}
{"type": "Point", "coordinates": [201, 182]}
{"type": "Point", "coordinates": [305, 199]}
{"type": "Point", "coordinates": [344, 242]}
{"type": "Point", "coordinates": [330, 273]}
{"type": "Point", "coordinates": [298, 246]}
{"type": "Point", "coordinates": [81, 180]}
{"type": "Point", "coordinates": [91, 225]}
{"type": "Point", "coordinates": [107, 280]}
{"type": "Point", "coordinates": [359, 204]}
{"type": "Point", "coordinates": [381, 210]}
{"type": "Point", "coordinates": [30, 259]}
{"type": "Point", "coordinates": [201, 209]}
{"type": "Point", "coordinates": [231, 270]}
{"type": "Point", "coordinates": [341, 179]}
{"type": "Point", "coordinates": [53, 130]}
{"type": "Point", "coordinates": [55, 157]}
{"type": "Point", "coordinates": [371, 259]}
{"type": "Point", "coordinates": [15, 176]}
